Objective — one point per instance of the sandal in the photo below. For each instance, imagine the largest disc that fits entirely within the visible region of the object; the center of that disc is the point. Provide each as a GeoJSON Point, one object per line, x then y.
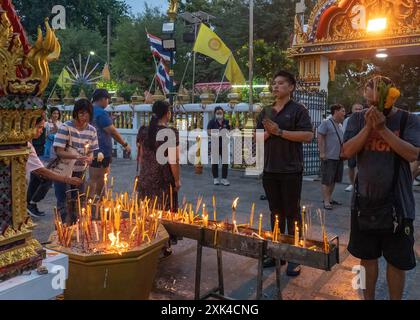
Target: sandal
{"type": "Point", "coordinates": [336, 203]}
{"type": "Point", "coordinates": [328, 206]}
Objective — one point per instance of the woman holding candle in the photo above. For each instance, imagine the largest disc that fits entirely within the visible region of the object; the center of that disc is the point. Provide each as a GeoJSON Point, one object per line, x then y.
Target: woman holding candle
{"type": "Point", "coordinates": [159, 160]}
{"type": "Point", "coordinates": [69, 143]}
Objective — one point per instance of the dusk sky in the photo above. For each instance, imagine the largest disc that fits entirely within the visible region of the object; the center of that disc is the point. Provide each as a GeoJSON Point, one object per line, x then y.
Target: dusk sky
{"type": "Point", "coordinates": [138, 5]}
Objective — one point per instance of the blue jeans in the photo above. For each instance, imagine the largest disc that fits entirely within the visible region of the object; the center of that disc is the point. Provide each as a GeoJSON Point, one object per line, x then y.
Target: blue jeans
{"type": "Point", "coordinates": [48, 145]}
{"type": "Point", "coordinates": [67, 201]}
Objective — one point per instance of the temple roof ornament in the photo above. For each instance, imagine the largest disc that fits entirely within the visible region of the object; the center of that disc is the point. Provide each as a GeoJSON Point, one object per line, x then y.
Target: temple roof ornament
{"type": "Point", "coordinates": [340, 25]}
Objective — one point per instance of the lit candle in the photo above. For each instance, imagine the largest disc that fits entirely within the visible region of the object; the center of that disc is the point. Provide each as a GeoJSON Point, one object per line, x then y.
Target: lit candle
{"type": "Point", "coordinates": [204, 210]}
{"type": "Point", "coordinates": [96, 230]}
{"type": "Point", "coordinates": [234, 205]}
{"type": "Point", "coordinates": [251, 220]}
{"type": "Point", "coordinates": [206, 220]}
{"type": "Point", "coordinates": [78, 232]}
{"type": "Point", "coordinates": [276, 229]}
{"type": "Point", "coordinates": [296, 234]}
{"type": "Point", "coordinates": [303, 223]}
{"type": "Point", "coordinates": [86, 149]}
{"type": "Point", "coordinates": [171, 198]}
{"type": "Point", "coordinates": [106, 185]}
{"type": "Point", "coordinates": [135, 185]}
{"type": "Point", "coordinates": [235, 227]}
{"type": "Point", "coordinates": [214, 208]}
{"type": "Point", "coordinates": [112, 182]}
{"type": "Point", "coordinates": [260, 225]}
{"type": "Point", "coordinates": [326, 244]}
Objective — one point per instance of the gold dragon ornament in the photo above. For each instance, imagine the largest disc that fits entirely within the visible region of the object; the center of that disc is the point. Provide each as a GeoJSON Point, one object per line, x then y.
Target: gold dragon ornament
{"type": "Point", "coordinates": [22, 74]}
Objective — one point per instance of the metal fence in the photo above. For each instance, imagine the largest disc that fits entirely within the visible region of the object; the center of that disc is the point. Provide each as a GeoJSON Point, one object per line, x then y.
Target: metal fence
{"type": "Point", "coordinates": [316, 102]}
{"type": "Point", "coordinates": [129, 118]}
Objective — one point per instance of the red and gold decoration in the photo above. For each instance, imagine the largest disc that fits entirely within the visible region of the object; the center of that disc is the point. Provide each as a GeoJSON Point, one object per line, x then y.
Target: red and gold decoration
{"type": "Point", "coordinates": [352, 29]}
{"type": "Point", "coordinates": [24, 75]}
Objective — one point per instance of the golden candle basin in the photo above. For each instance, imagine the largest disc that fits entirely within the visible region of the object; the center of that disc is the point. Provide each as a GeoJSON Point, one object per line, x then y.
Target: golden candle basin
{"type": "Point", "coordinates": [128, 276]}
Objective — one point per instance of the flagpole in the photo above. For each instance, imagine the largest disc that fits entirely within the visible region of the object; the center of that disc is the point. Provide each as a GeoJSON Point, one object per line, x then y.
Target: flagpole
{"type": "Point", "coordinates": [55, 85]}
{"type": "Point", "coordinates": [251, 56]}
{"type": "Point", "coordinates": [194, 64]}
{"type": "Point", "coordinates": [221, 83]}
{"type": "Point", "coordinates": [183, 77]}
{"type": "Point", "coordinates": [153, 81]}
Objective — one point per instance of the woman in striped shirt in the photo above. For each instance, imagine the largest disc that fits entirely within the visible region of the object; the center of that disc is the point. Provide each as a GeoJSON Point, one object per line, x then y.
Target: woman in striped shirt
{"type": "Point", "coordinates": [76, 139]}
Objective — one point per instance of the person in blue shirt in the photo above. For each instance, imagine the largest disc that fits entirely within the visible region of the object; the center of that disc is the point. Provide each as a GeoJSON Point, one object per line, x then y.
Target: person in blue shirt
{"type": "Point", "coordinates": [106, 132]}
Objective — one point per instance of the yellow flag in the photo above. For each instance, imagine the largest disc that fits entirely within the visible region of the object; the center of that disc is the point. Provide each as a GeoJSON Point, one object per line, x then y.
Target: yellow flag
{"type": "Point", "coordinates": [234, 73]}
{"type": "Point", "coordinates": [64, 80]}
{"type": "Point", "coordinates": [106, 74]}
{"type": "Point", "coordinates": [209, 44]}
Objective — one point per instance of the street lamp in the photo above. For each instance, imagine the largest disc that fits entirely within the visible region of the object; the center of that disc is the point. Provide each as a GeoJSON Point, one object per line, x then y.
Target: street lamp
{"type": "Point", "coordinates": [251, 56]}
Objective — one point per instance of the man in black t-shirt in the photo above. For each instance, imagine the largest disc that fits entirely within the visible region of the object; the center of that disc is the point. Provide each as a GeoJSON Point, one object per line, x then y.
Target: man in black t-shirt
{"type": "Point", "coordinates": [287, 125]}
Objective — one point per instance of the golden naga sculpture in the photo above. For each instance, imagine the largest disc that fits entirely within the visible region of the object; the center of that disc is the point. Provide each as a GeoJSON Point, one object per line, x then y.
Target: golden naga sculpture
{"type": "Point", "coordinates": [22, 74]}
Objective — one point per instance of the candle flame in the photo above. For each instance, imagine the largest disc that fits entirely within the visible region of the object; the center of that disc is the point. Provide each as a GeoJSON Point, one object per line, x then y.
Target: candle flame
{"type": "Point", "coordinates": [116, 244]}
{"type": "Point", "coordinates": [235, 203]}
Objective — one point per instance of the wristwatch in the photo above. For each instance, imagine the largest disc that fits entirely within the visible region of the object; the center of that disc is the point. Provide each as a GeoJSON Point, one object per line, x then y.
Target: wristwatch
{"type": "Point", "coordinates": [125, 145]}
{"type": "Point", "coordinates": [280, 132]}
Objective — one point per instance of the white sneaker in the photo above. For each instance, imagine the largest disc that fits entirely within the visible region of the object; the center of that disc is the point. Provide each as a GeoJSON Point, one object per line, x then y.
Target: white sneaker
{"type": "Point", "coordinates": [216, 182]}
{"type": "Point", "coordinates": [225, 182]}
{"type": "Point", "coordinates": [416, 183]}
{"type": "Point", "coordinates": [349, 188]}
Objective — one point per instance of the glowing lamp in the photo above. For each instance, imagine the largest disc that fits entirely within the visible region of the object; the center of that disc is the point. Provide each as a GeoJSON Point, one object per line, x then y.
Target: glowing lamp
{"type": "Point", "coordinates": [376, 25]}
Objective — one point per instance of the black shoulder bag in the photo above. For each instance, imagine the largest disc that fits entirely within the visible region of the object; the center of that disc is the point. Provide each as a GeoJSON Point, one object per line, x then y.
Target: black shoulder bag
{"type": "Point", "coordinates": [383, 216]}
{"type": "Point", "coordinates": [339, 140]}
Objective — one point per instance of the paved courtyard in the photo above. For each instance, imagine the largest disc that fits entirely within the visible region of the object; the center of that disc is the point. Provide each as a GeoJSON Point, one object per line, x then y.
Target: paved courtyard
{"type": "Point", "coordinates": [176, 274]}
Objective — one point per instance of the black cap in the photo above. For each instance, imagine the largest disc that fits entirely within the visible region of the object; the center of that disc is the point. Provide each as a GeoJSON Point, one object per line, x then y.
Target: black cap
{"type": "Point", "coordinates": [100, 94]}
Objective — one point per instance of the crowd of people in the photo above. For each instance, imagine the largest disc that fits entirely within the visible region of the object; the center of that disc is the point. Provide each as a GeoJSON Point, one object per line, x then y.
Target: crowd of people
{"type": "Point", "coordinates": [379, 149]}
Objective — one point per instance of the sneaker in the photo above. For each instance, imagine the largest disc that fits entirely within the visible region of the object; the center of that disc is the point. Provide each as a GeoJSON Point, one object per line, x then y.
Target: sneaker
{"type": "Point", "coordinates": [216, 182]}
{"type": "Point", "coordinates": [33, 211]}
{"type": "Point", "coordinates": [416, 183]}
{"type": "Point", "coordinates": [349, 188]}
{"type": "Point", "coordinates": [225, 182]}
{"type": "Point", "coordinates": [166, 253]}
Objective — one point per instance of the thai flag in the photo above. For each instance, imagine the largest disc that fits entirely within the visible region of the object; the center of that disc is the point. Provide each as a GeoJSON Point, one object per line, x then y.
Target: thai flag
{"type": "Point", "coordinates": [157, 48]}
{"type": "Point", "coordinates": [162, 76]}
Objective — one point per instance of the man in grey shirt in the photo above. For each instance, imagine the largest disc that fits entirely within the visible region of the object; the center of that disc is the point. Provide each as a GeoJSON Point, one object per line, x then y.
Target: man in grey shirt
{"type": "Point", "coordinates": [330, 142]}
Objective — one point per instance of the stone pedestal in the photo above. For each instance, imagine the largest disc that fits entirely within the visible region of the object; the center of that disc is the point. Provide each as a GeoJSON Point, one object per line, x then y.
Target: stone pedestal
{"type": "Point", "coordinates": [128, 276]}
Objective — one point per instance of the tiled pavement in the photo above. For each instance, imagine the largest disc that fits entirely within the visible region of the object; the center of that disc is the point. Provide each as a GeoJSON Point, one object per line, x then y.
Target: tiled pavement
{"type": "Point", "coordinates": [176, 274]}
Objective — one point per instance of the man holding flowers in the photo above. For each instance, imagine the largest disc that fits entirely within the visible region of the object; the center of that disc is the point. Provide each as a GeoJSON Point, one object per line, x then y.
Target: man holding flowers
{"type": "Point", "coordinates": [385, 140]}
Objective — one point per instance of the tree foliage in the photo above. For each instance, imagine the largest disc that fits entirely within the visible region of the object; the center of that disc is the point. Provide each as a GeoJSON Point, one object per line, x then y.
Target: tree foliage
{"type": "Point", "coordinates": [91, 14]}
